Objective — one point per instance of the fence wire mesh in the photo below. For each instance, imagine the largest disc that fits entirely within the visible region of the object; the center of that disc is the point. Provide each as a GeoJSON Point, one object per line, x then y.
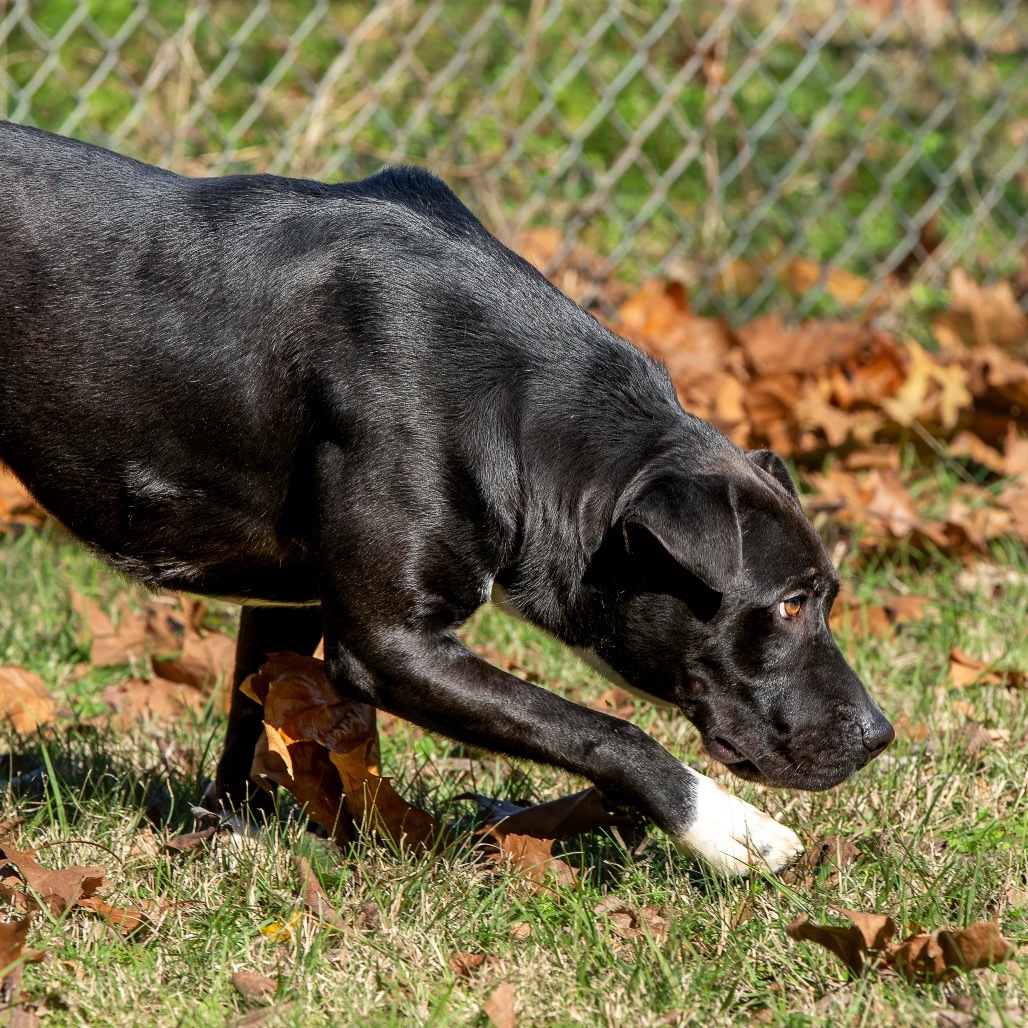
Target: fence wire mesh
{"type": "Point", "coordinates": [806, 155]}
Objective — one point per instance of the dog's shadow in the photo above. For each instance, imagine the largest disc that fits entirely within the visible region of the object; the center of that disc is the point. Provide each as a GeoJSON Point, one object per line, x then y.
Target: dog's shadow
{"type": "Point", "coordinates": [59, 779]}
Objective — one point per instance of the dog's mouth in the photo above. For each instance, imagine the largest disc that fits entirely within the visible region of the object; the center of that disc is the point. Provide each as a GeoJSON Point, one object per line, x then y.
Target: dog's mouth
{"type": "Point", "coordinates": [722, 750]}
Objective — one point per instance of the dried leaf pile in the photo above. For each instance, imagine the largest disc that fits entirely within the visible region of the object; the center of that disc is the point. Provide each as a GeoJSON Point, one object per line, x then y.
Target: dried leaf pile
{"type": "Point", "coordinates": [849, 389]}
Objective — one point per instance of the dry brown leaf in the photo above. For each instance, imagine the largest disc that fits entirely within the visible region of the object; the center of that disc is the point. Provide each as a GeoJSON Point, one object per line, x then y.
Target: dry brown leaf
{"type": "Point", "coordinates": [125, 919]}
{"type": "Point", "coordinates": [255, 987]}
{"type": "Point", "coordinates": [862, 620]}
{"type": "Point", "coordinates": [986, 315]}
{"type": "Point", "coordinates": [1015, 453]}
{"type": "Point", "coordinates": [534, 860]}
{"type": "Point", "coordinates": [659, 318]}
{"type": "Point", "coordinates": [154, 700]}
{"type": "Point", "coordinates": [925, 957]}
{"type": "Point", "coordinates": [909, 607]}
{"type": "Point", "coordinates": [1017, 896]}
{"type": "Point", "coordinates": [976, 738]}
{"type": "Point", "coordinates": [312, 780]}
{"type": "Point", "coordinates": [315, 898]}
{"type": "Point", "coordinates": [59, 889]}
{"type": "Point", "coordinates": [204, 662]}
{"type": "Point", "coordinates": [190, 842]}
{"type": "Point", "coordinates": [17, 507]}
{"type": "Point", "coordinates": [373, 801]}
{"type": "Point", "coordinates": [916, 731]}
{"type": "Point", "coordinates": [111, 645]}
{"type": "Point", "coordinates": [25, 702]}
{"type": "Point", "coordinates": [890, 502]}
{"type": "Point", "coordinates": [846, 943]}
{"type": "Point", "coordinates": [772, 347]}
{"type": "Point", "coordinates": [965, 670]}
{"type": "Point", "coordinates": [369, 917]}
{"type": "Point", "coordinates": [944, 953]}
{"type": "Point", "coordinates": [464, 965]}
{"type": "Point", "coordinates": [1014, 499]}
{"type": "Point", "coordinates": [580, 812]}
{"type": "Point", "coordinates": [13, 957]}
{"type": "Point", "coordinates": [967, 444]}
{"type": "Point", "coordinates": [12, 943]}
{"type": "Point", "coordinates": [615, 701]}
{"type": "Point", "coordinates": [499, 1007]}
{"type": "Point", "coordinates": [634, 924]}
{"type": "Point", "coordinates": [833, 851]}
{"type": "Point", "coordinates": [300, 704]}
{"type": "Point", "coordinates": [305, 724]}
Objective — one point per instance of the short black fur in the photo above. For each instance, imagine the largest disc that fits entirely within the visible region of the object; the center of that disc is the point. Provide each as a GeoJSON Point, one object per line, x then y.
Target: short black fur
{"type": "Point", "coordinates": [353, 397]}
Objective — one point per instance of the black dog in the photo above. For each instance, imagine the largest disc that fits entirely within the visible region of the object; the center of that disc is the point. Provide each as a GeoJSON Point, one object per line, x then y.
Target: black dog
{"type": "Point", "coordinates": [351, 409]}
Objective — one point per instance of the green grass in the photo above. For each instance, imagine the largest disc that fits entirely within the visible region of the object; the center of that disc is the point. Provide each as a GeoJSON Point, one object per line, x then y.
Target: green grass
{"type": "Point", "coordinates": [943, 835]}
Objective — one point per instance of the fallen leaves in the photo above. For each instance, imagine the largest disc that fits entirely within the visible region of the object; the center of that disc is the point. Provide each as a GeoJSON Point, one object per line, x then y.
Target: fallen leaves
{"type": "Point", "coordinates": [257, 988]}
{"type": "Point", "coordinates": [822, 861]}
{"type": "Point", "coordinates": [28, 886]}
{"type": "Point", "coordinates": [57, 890]}
{"type": "Point", "coordinates": [964, 670]}
{"type": "Point", "coordinates": [868, 945]}
{"type": "Point", "coordinates": [315, 898]}
{"type": "Point", "coordinates": [499, 1007]}
{"type": "Point", "coordinates": [580, 812]}
{"type": "Point", "coordinates": [325, 752]}
{"type": "Point", "coordinates": [532, 858]}
{"type": "Point", "coordinates": [465, 965]}
{"type": "Point", "coordinates": [13, 957]}
{"type": "Point", "coordinates": [634, 924]}
{"type": "Point", "coordinates": [17, 507]}
{"type": "Point", "coordinates": [25, 702]}
{"type": "Point", "coordinates": [188, 662]}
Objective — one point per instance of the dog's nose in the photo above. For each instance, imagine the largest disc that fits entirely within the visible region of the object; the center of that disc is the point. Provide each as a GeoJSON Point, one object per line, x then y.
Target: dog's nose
{"type": "Point", "coordinates": [877, 733]}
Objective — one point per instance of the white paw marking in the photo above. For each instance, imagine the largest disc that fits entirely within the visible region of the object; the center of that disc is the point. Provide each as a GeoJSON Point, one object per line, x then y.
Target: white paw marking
{"type": "Point", "coordinates": [734, 837]}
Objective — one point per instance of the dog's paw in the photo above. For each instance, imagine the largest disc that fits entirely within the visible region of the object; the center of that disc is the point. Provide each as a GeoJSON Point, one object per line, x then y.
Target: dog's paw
{"type": "Point", "coordinates": [734, 837]}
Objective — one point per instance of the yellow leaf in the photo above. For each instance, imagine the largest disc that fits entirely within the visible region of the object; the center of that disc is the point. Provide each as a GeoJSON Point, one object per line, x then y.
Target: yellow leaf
{"type": "Point", "coordinates": [277, 744]}
{"type": "Point", "coordinates": [282, 931]}
{"type": "Point", "coordinates": [906, 406]}
{"type": "Point", "coordinates": [952, 380]}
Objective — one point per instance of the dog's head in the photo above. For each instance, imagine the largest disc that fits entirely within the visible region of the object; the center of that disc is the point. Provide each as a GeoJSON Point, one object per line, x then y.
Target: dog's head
{"type": "Point", "coordinates": [714, 592]}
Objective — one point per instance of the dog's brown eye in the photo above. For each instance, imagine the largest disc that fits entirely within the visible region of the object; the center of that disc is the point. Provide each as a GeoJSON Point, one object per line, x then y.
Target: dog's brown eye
{"type": "Point", "coordinates": [791, 607]}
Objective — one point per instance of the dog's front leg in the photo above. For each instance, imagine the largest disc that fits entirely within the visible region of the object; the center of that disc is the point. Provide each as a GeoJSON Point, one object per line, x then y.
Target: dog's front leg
{"type": "Point", "coordinates": [434, 681]}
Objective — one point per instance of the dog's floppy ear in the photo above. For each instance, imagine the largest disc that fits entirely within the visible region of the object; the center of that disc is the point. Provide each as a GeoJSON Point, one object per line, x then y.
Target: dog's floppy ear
{"type": "Point", "coordinates": [694, 518]}
{"type": "Point", "coordinates": [769, 461]}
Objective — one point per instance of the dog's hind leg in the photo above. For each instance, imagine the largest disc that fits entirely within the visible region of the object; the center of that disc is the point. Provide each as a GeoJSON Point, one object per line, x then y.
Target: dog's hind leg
{"type": "Point", "coordinates": [262, 630]}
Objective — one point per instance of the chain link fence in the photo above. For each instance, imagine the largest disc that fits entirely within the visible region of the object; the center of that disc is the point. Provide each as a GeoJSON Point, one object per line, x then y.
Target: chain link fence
{"type": "Point", "coordinates": [808, 155]}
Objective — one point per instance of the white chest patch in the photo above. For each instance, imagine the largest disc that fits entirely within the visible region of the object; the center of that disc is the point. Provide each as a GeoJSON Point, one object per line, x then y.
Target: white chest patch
{"type": "Point", "coordinates": [734, 837]}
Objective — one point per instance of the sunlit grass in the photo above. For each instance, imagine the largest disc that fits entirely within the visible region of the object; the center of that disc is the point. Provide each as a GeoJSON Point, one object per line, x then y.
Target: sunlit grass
{"type": "Point", "coordinates": [943, 834]}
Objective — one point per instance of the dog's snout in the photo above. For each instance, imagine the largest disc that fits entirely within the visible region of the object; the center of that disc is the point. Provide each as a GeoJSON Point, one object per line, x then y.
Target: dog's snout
{"type": "Point", "coordinates": [877, 733]}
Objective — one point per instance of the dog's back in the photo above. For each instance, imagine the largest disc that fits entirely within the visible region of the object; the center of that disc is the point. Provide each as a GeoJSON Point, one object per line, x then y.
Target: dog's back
{"type": "Point", "coordinates": [188, 343]}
